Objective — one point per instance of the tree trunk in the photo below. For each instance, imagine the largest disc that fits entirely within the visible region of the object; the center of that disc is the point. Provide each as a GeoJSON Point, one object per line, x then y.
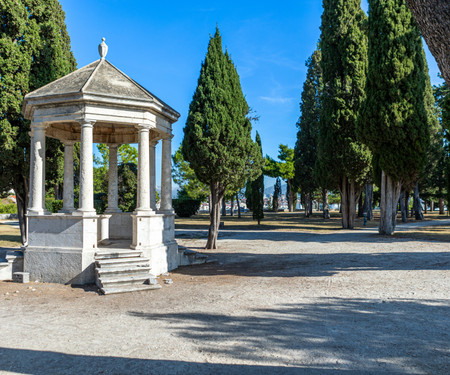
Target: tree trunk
{"type": "Point", "coordinates": [224, 207]}
{"type": "Point", "coordinates": [209, 203]}
{"type": "Point", "coordinates": [368, 198]}
{"type": "Point", "coordinates": [238, 205]}
{"type": "Point", "coordinates": [425, 204]}
{"type": "Point", "coordinates": [403, 207]}
{"type": "Point", "coordinates": [441, 206]}
{"type": "Point", "coordinates": [307, 203]}
{"type": "Point", "coordinates": [390, 192]}
{"type": "Point", "coordinates": [21, 191]}
{"type": "Point", "coordinates": [217, 194]}
{"type": "Point", "coordinates": [360, 206]}
{"type": "Point", "coordinates": [232, 206]}
{"type": "Point", "coordinates": [407, 203]}
{"type": "Point", "coordinates": [349, 198]}
{"type": "Point", "coordinates": [326, 206]}
{"type": "Point", "coordinates": [417, 206]}
{"type": "Point", "coordinates": [432, 206]}
{"type": "Point", "coordinates": [311, 203]}
{"type": "Point", "coordinates": [290, 197]}
{"type": "Point", "coordinates": [433, 19]}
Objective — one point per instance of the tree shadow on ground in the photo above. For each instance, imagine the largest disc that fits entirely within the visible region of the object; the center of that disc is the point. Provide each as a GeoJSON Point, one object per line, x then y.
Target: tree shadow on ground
{"type": "Point", "coordinates": [316, 264]}
{"type": "Point", "coordinates": [361, 335]}
{"type": "Point", "coordinates": [363, 236]}
{"type": "Point", "coordinates": [40, 362]}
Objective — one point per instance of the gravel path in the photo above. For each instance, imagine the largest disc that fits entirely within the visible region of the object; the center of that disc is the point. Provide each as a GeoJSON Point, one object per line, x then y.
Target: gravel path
{"type": "Point", "coordinates": [346, 302]}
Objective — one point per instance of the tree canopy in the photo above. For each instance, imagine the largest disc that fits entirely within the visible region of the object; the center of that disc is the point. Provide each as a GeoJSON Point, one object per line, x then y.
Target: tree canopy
{"type": "Point", "coordinates": [217, 137]}
{"type": "Point", "coordinates": [34, 50]}
{"type": "Point", "coordinates": [394, 122]}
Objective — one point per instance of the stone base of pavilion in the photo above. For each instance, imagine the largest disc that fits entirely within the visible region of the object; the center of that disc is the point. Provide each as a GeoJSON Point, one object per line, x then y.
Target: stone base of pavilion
{"type": "Point", "coordinates": [62, 247]}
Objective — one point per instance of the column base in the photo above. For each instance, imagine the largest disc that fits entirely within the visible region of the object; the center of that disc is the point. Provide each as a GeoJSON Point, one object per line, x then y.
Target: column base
{"type": "Point", "coordinates": [145, 212]}
{"type": "Point", "coordinates": [84, 213]}
{"type": "Point", "coordinates": [32, 211]}
{"type": "Point", "coordinates": [113, 211]}
{"type": "Point", "coordinates": [66, 211]}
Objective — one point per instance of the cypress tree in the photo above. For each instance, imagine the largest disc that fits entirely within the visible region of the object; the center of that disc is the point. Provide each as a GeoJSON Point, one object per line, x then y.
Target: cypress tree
{"type": "Point", "coordinates": [343, 160]}
{"type": "Point", "coordinates": [258, 190]}
{"type": "Point", "coordinates": [276, 194]}
{"type": "Point", "coordinates": [34, 50]}
{"type": "Point", "coordinates": [305, 150]}
{"type": "Point", "coordinates": [393, 121]}
{"type": "Point", "coordinates": [217, 141]}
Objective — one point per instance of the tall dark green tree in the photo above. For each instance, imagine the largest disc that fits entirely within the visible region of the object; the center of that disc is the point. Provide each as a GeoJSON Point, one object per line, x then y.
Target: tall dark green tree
{"type": "Point", "coordinates": [394, 121]}
{"type": "Point", "coordinates": [217, 137]}
{"type": "Point", "coordinates": [258, 190]}
{"type": "Point", "coordinates": [343, 160]}
{"type": "Point", "coordinates": [305, 150]}
{"type": "Point", "coordinates": [276, 194]}
{"type": "Point", "coordinates": [34, 50]}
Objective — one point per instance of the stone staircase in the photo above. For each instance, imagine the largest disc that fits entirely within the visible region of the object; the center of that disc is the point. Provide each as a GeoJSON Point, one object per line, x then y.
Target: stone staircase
{"type": "Point", "coordinates": [188, 257]}
{"type": "Point", "coordinates": [121, 271]}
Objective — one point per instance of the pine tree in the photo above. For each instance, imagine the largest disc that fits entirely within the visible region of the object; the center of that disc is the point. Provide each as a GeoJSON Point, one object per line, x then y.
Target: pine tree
{"type": "Point", "coordinates": [276, 195]}
{"type": "Point", "coordinates": [394, 120]}
{"type": "Point", "coordinates": [343, 160]}
{"type": "Point", "coordinates": [34, 50]}
{"type": "Point", "coordinates": [258, 190]}
{"type": "Point", "coordinates": [217, 141]}
{"type": "Point", "coordinates": [305, 151]}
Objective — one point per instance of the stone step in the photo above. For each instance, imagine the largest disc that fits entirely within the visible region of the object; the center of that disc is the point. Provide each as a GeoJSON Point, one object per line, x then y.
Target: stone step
{"type": "Point", "coordinates": [125, 270]}
{"type": "Point", "coordinates": [111, 254]}
{"type": "Point", "coordinates": [121, 280]}
{"type": "Point", "coordinates": [113, 262]}
{"type": "Point", "coordinates": [129, 288]}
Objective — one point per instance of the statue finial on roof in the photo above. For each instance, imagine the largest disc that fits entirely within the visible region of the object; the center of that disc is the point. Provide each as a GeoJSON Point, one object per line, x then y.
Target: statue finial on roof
{"type": "Point", "coordinates": [102, 49]}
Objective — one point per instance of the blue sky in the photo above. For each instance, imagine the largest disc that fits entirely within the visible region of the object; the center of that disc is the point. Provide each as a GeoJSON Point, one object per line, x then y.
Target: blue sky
{"type": "Point", "coordinates": [161, 45]}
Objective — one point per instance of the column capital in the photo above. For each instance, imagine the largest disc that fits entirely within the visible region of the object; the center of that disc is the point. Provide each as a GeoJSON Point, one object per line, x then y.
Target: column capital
{"type": "Point", "coordinates": [142, 127]}
{"type": "Point", "coordinates": [39, 125]}
{"type": "Point", "coordinates": [153, 142]}
{"type": "Point", "coordinates": [86, 123]}
{"type": "Point", "coordinates": [68, 142]}
{"type": "Point", "coordinates": [114, 145]}
{"type": "Point", "coordinates": [167, 137]}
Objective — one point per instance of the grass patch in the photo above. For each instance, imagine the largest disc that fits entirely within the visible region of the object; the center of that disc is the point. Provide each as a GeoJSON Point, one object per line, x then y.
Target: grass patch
{"type": "Point", "coordinates": [9, 236]}
{"type": "Point", "coordinates": [274, 221]}
{"type": "Point", "coordinates": [433, 233]}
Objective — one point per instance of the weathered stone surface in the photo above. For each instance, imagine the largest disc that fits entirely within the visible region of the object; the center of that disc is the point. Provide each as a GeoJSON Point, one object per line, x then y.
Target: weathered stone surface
{"type": "Point", "coordinates": [21, 277]}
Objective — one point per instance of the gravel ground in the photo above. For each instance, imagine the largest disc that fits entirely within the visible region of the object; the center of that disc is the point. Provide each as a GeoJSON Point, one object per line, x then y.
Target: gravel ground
{"type": "Point", "coordinates": [344, 302]}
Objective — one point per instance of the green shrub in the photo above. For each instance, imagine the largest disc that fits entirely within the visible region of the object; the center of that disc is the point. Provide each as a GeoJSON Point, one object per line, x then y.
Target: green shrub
{"type": "Point", "coordinates": [100, 202]}
{"type": "Point", "coordinates": [9, 208]}
{"type": "Point", "coordinates": [53, 205]}
{"type": "Point", "coordinates": [186, 207]}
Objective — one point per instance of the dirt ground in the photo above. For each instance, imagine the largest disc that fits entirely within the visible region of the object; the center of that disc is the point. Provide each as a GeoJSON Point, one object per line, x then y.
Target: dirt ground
{"type": "Point", "coordinates": [275, 302]}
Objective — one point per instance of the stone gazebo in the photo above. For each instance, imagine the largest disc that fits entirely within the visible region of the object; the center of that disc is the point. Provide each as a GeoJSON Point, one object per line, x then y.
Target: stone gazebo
{"type": "Point", "coordinates": [99, 104]}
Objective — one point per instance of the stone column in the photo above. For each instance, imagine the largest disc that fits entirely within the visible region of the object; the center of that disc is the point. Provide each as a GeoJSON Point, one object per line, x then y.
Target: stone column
{"type": "Point", "coordinates": [86, 205]}
{"type": "Point", "coordinates": [113, 186]}
{"type": "Point", "coordinates": [68, 206]}
{"type": "Point", "coordinates": [38, 170]}
{"type": "Point", "coordinates": [153, 175]}
{"type": "Point", "coordinates": [143, 170]}
{"type": "Point", "coordinates": [166, 174]}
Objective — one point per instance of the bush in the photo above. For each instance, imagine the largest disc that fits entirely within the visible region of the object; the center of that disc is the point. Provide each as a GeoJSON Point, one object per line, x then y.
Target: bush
{"type": "Point", "coordinates": [186, 207]}
{"type": "Point", "coordinates": [9, 208]}
{"type": "Point", "coordinates": [53, 205]}
{"type": "Point", "coordinates": [100, 202]}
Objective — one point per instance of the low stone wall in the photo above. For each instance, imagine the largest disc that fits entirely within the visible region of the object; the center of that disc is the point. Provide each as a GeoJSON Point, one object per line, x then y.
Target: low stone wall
{"type": "Point", "coordinates": [8, 216]}
{"type": "Point", "coordinates": [121, 226]}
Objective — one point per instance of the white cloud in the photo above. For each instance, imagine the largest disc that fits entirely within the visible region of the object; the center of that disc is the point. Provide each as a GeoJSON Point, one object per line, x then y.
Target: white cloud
{"type": "Point", "coordinates": [278, 100]}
